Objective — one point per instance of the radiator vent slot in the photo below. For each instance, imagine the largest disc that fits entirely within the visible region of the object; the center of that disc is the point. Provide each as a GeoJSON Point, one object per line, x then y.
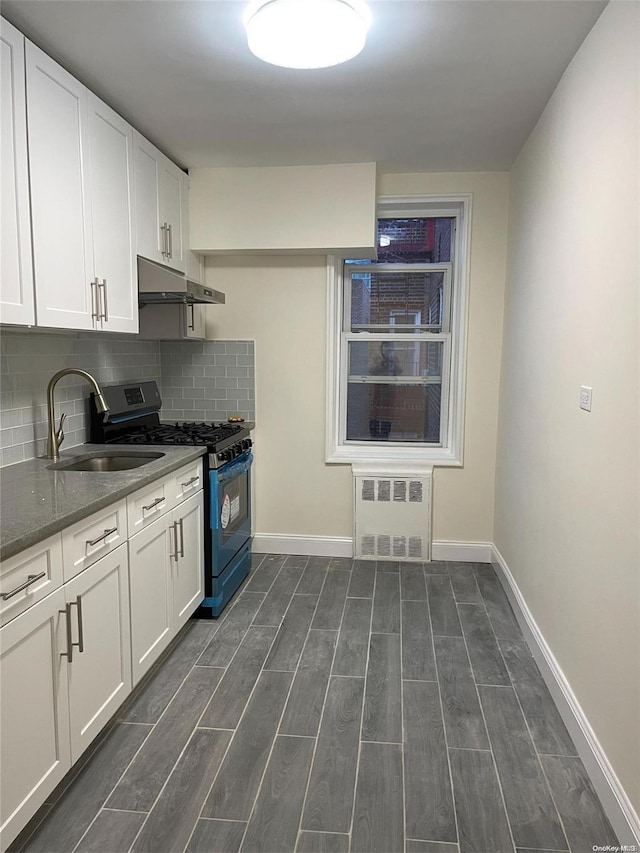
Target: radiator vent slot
{"type": "Point", "coordinates": [415, 491]}
{"type": "Point", "coordinates": [416, 548]}
{"type": "Point", "coordinates": [384, 490]}
{"type": "Point", "coordinates": [368, 546]}
{"type": "Point", "coordinates": [368, 490]}
{"type": "Point", "coordinates": [400, 490]}
{"type": "Point", "coordinates": [399, 546]}
{"type": "Point", "coordinates": [384, 546]}
{"type": "Point", "coordinates": [392, 517]}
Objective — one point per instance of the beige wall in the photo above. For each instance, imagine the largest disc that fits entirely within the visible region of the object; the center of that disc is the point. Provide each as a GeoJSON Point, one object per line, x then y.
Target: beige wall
{"type": "Point", "coordinates": [567, 507]}
{"type": "Point", "coordinates": [284, 209]}
{"type": "Point", "coordinates": [281, 303]}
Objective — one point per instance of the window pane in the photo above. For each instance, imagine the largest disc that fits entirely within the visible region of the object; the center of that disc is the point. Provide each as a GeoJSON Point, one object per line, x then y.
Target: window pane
{"type": "Point", "coordinates": [416, 240]}
{"type": "Point", "coordinates": [419, 360]}
{"type": "Point", "coordinates": [385, 412]}
{"type": "Point", "coordinates": [398, 300]}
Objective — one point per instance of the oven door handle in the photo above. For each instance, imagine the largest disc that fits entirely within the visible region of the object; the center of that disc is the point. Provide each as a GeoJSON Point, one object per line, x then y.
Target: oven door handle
{"type": "Point", "coordinates": [234, 469]}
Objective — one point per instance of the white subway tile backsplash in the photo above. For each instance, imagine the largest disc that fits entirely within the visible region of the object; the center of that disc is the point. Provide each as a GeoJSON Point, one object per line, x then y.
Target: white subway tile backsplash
{"type": "Point", "coordinates": [29, 360]}
{"type": "Point", "coordinates": [207, 373]}
{"type": "Point", "coordinates": [199, 380]}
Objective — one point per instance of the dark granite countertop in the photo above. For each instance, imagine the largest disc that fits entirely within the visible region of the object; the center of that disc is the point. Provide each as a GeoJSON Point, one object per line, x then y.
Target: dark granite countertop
{"type": "Point", "coordinates": [36, 502]}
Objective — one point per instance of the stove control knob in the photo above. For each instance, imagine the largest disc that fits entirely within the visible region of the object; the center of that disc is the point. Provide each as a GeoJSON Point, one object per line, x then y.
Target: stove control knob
{"type": "Point", "coordinates": [223, 456]}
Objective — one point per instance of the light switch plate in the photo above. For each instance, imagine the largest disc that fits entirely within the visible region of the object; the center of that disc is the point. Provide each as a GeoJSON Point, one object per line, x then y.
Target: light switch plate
{"type": "Point", "coordinates": [585, 397]}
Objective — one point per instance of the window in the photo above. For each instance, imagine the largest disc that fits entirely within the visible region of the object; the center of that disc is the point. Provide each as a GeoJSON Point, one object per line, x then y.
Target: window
{"type": "Point", "coordinates": [396, 338]}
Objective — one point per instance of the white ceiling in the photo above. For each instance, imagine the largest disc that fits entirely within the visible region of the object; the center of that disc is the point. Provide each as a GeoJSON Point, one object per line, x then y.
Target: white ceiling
{"type": "Point", "coordinates": [442, 85]}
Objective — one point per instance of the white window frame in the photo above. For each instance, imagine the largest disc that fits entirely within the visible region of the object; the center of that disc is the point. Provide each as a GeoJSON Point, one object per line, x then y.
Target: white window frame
{"type": "Point", "coordinates": [451, 451]}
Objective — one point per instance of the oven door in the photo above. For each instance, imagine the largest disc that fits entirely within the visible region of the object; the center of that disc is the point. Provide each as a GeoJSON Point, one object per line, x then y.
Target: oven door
{"type": "Point", "coordinates": [230, 510]}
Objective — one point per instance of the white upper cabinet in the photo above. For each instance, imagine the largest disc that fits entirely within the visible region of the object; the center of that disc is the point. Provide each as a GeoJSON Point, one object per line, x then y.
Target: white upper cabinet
{"type": "Point", "coordinates": [113, 217]}
{"type": "Point", "coordinates": [160, 195]}
{"type": "Point", "coordinates": [16, 273]}
{"type": "Point", "coordinates": [60, 202]}
{"type": "Point", "coordinates": [82, 197]}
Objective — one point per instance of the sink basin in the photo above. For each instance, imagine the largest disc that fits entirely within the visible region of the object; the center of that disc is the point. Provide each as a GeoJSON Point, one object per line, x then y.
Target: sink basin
{"type": "Point", "coordinates": [103, 462]}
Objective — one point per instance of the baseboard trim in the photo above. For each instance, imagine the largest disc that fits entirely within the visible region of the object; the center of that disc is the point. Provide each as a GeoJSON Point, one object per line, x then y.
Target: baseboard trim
{"type": "Point", "coordinates": [462, 552]}
{"type": "Point", "coordinates": [342, 546]}
{"type": "Point", "coordinates": [613, 797]}
{"type": "Point", "coordinates": [291, 543]}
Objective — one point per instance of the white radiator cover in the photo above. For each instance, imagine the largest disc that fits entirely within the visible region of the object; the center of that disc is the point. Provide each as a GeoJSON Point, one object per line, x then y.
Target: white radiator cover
{"type": "Point", "coordinates": [392, 512]}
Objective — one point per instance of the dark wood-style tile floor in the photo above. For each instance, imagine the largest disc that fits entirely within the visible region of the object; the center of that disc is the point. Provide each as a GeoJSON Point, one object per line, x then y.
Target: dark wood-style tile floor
{"type": "Point", "coordinates": [337, 706]}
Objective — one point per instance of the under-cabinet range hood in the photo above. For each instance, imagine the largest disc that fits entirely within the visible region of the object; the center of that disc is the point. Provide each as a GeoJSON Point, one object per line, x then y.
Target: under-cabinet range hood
{"type": "Point", "coordinates": [160, 284]}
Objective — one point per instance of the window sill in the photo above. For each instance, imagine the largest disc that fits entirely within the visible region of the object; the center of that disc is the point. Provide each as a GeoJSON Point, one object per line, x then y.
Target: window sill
{"type": "Point", "coordinates": [435, 457]}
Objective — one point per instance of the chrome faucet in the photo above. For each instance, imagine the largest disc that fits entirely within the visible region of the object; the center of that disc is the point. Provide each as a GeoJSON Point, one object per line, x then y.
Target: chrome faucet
{"type": "Point", "coordinates": [56, 436]}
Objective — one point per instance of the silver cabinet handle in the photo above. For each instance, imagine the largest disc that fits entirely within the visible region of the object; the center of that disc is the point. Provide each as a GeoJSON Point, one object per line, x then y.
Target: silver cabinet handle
{"type": "Point", "coordinates": [103, 288]}
{"type": "Point", "coordinates": [70, 644]}
{"type": "Point", "coordinates": [95, 307]}
{"type": "Point", "coordinates": [170, 236]}
{"type": "Point", "coordinates": [190, 482]}
{"type": "Point", "coordinates": [69, 653]}
{"type": "Point", "coordinates": [153, 504]}
{"type": "Point", "coordinates": [174, 527]}
{"type": "Point", "coordinates": [165, 239]}
{"type": "Point", "coordinates": [30, 579]}
{"type": "Point", "coordinates": [80, 643]}
{"type": "Point", "coordinates": [92, 542]}
{"type": "Point", "coordinates": [180, 525]}
{"type": "Point", "coordinates": [192, 324]}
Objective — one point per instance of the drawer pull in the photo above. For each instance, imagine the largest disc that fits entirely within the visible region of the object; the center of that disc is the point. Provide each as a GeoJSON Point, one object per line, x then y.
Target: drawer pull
{"type": "Point", "coordinates": [190, 482]}
{"type": "Point", "coordinates": [92, 542]}
{"type": "Point", "coordinates": [30, 579]}
{"type": "Point", "coordinates": [154, 504]}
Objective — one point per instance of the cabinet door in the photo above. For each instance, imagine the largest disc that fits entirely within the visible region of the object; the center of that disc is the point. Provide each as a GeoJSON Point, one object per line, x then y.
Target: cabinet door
{"type": "Point", "coordinates": [172, 192]}
{"type": "Point", "coordinates": [34, 737]}
{"type": "Point", "coordinates": [149, 238]}
{"type": "Point", "coordinates": [99, 674]}
{"type": "Point", "coordinates": [16, 271]}
{"type": "Point", "coordinates": [151, 593]}
{"type": "Point", "coordinates": [188, 569]}
{"type": "Point", "coordinates": [113, 217]}
{"type": "Point", "coordinates": [60, 203]}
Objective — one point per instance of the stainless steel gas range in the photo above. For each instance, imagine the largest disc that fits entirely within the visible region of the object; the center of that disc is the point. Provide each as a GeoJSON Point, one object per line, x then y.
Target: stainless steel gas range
{"type": "Point", "coordinates": [134, 419]}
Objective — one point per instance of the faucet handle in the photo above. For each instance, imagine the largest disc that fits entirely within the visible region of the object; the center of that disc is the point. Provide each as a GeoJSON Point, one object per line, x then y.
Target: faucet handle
{"type": "Point", "coordinates": [59, 431]}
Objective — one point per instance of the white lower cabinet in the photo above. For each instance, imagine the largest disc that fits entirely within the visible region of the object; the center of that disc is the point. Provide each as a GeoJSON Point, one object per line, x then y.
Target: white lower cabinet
{"type": "Point", "coordinates": [69, 660]}
{"type": "Point", "coordinates": [95, 638]}
{"type": "Point", "coordinates": [34, 708]}
{"type": "Point", "coordinates": [165, 580]}
{"type": "Point", "coordinates": [151, 594]}
{"type": "Point", "coordinates": [187, 567]}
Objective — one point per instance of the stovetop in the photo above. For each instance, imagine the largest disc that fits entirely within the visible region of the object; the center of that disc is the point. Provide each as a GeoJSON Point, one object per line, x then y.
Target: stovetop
{"type": "Point", "coordinates": [209, 434]}
{"type": "Point", "coordinates": [133, 418]}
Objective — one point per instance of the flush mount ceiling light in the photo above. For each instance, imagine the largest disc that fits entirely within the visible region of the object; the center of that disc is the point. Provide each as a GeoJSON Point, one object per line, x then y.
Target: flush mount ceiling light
{"type": "Point", "coordinates": [306, 33]}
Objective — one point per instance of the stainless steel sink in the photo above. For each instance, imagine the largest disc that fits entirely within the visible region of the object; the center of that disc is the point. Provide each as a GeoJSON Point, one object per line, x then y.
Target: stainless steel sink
{"type": "Point", "coordinates": [103, 462]}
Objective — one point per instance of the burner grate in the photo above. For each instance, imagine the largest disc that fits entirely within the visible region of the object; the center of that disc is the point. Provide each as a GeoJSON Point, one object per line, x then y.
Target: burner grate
{"type": "Point", "coordinates": [179, 434]}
